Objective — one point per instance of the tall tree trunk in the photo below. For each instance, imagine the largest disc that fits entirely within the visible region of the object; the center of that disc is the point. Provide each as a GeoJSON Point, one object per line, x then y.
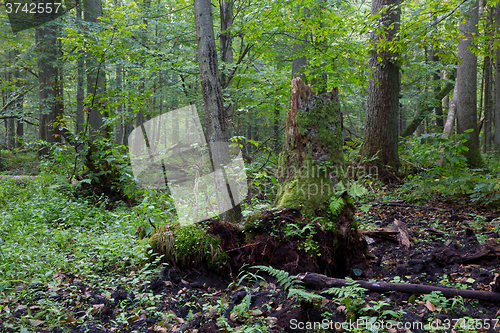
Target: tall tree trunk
{"type": "Point", "coordinates": [19, 133]}
{"type": "Point", "coordinates": [467, 86]}
{"type": "Point", "coordinates": [11, 133]}
{"type": "Point", "coordinates": [496, 139]}
{"type": "Point", "coordinates": [381, 129]}
{"type": "Point", "coordinates": [80, 91]}
{"type": "Point", "coordinates": [96, 79]}
{"type": "Point", "coordinates": [438, 109]}
{"type": "Point", "coordinates": [488, 103]}
{"type": "Point", "coordinates": [215, 115]}
{"type": "Point", "coordinates": [119, 108]}
{"type": "Point", "coordinates": [488, 85]}
{"type": "Point", "coordinates": [50, 89]}
{"type": "Point", "coordinates": [227, 60]}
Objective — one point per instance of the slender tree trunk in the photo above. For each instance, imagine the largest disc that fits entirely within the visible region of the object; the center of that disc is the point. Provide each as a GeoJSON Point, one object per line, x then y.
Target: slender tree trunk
{"type": "Point", "coordinates": [11, 133]}
{"type": "Point", "coordinates": [381, 134]}
{"type": "Point", "coordinates": [80, 90]}
{"type": "Point", "coordinates": [488, 103]}
{"type": "Point", "coordinates": [215, 115]}
{"type": "Point", "coordinates": [119, 108]}
{"type": "Point", "coordinates": [96, 79]}
{"type": "Point", "coordinates": [496, 139]}
{"type": "Point", "coordinates": [227, 60]}
{"type": "Point", "coordinates": [467, 86]}
{"type": "Point", "coordinates": [19, 133]}
{"type": "Point", "coordinates": [438, 109]}
{"type": "Point", "coordinates": [435, 58]}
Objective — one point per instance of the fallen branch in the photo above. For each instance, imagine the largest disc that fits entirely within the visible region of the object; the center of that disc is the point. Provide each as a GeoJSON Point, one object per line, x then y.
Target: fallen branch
{"type": "Point", "coordinates": [399, 204]}
{"type": "Point", "coordinates": [325, 281]}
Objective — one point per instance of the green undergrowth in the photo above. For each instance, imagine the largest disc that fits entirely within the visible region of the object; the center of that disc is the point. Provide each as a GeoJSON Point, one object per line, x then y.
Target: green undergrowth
{"type": "Point", "coordinates": [426, 180]}
{"type": "Point", "coordinates": [188, 246]}
{"type": "Point", "coordinates": [45, 230]}
{"type": "Point", "coordinates": [19, 162]}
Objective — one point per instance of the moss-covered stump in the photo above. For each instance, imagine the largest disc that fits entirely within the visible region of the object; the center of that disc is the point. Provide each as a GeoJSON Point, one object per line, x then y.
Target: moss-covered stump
{"type": "Point", "coordinates": [309, 164]}
{"type": "Point", "coordinates": [195, 245]}
{"type": "Point", "coordinates": [282, 238]}
{"type": "Point", "coordinates": [310, 168]}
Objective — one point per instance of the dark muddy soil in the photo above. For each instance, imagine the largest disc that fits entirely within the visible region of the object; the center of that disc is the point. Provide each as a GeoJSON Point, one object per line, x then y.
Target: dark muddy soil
{"type": "Point", "coordinates": [450, 246]}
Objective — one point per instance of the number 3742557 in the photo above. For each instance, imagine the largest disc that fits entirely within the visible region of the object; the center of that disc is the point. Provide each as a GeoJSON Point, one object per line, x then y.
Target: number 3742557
{"type": "Point", "coordinates": [33, 8]}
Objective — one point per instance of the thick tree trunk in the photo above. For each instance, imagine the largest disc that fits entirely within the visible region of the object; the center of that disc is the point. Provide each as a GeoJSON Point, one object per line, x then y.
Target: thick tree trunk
{"type": "Point", "coordinates": [381, 134]}
{"type": "Point", "coordinates": [215, 113]}
{"type": "Point", "coordinates": [50, 89]}
{"type": "Point", "coordinates": [467, 86]}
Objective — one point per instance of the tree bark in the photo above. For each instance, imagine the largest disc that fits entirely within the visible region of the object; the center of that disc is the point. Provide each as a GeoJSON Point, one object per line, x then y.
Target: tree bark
{"type": "Point", "coordinates": [19, 133]}
{"type": "Point", "coordinates": [311, 165]}
{"type": "Point", "coordinates": [381, 134]}
{"type": "Point", "coordinates": [325, 281]}
{"type": "Point", "coordinates": [215, 113]}
{"type": "Point", "coordinates": [119, 137]}
{"type": "Point", "coordinates": [312, 157]}
{"type": "Point", "coordinates": [80, 91]}
{"type": "Point", "coordinates": [496, 139]}
{"type": "Point", "coordinates": [49, 79]}
{"type": "Point", "coordinates": [467, 86]}
{"type": "Point", "coordinates": [95, 77]}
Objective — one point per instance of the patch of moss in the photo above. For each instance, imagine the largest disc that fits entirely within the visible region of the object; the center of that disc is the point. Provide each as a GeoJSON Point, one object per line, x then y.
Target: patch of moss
{"type": "Point", "coordinates": [188, 245]}
{"type": "Point", "coordinates": [309, 190]}
{"type": "Point", "coordinates": [326, 123]}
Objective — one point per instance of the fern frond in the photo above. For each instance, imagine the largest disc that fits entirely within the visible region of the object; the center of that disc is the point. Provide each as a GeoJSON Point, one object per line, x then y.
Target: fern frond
{"type": "Point", "coordinates": [350, 290]}
{"type": "Point", "coordinates": [336, 205]}
{"type": "Point", "coordinates": [290, 283]}
{"type": "Point", "coordinates": [302, 294]}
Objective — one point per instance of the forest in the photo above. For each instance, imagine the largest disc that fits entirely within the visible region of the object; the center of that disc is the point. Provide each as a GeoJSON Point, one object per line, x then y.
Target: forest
{"type": "Point", "coordinates": [250, 166]}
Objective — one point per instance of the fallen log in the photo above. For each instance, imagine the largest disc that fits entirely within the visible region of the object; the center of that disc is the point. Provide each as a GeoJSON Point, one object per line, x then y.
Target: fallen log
{"type": "Point", "coordinates": [325, 281]}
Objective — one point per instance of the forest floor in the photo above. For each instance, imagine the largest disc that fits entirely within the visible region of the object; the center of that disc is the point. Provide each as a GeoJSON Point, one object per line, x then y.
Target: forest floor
{"type": "Point", "coordinates": [448, 242]}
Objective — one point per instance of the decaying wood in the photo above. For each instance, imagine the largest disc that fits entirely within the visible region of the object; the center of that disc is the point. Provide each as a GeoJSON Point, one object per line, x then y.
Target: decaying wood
{"type": "Point", "coordinates": [448, 256]}
{"type": "Point", "coordinates": [387, 233]}
{"type": "Point", "coordinates": [325, 281]}
{"type": "Point", "coordinates": [403, 232]}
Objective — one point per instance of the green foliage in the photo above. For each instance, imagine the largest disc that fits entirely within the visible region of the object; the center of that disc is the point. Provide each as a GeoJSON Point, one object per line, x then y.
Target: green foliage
{"type": "Point", "coordinates": [437, 298]}
{"type": "Point", "coordinates": [290, 283]}
{"type": "Point", "coordinates": [43, 231]}
{"type": "Point", "coordinates": [336, 205]}
{"type": "Point", "coordinates": [351, 295]}
{"type": "Point", "coordinates": [426, 179]}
